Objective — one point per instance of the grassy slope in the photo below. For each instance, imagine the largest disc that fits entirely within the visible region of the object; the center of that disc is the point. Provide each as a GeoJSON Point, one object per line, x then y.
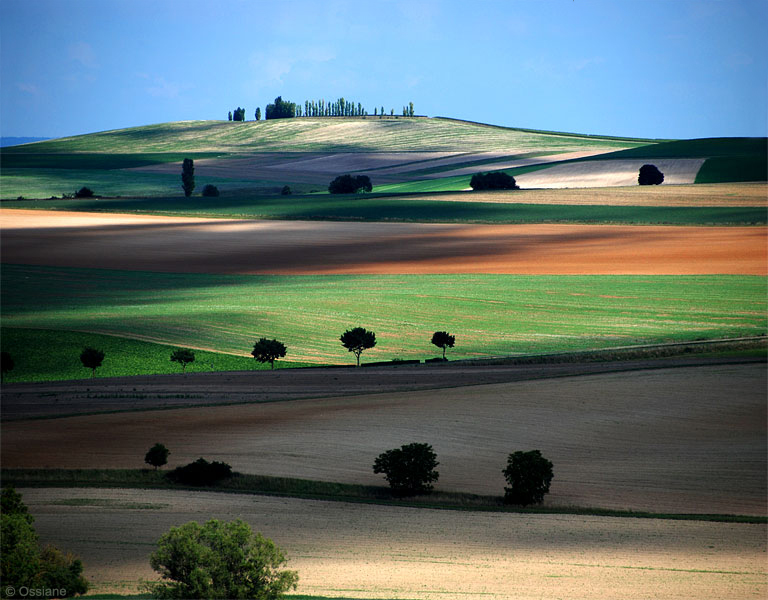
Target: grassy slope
{"type": "Point", "coordinates": [489, 314]}
{"type": "Point", "coordinates": [403, 208]}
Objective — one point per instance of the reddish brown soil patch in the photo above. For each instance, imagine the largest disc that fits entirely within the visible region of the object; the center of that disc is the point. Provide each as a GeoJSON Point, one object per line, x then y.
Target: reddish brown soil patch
{"type": "Point", "coordinates": [172, 244]}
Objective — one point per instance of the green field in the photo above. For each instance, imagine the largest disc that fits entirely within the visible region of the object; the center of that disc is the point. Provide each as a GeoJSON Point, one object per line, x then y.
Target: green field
{"type": "Point", "coordinates": [419, 208]}
{"type": "Point", "coordinates": [491, 315]}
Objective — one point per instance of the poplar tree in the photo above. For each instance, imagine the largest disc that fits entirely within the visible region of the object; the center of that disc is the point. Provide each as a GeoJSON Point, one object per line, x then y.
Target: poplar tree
{"type": "Point", "coordinates": [188, 176]}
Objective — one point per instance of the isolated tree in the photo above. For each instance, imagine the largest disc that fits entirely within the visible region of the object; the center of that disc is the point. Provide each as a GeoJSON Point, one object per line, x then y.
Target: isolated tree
{"type": "Point", "coordinates": [219, 560]}
{"type": "Point", "coordinates": [442, 339]}
{"type": "Point", "coordinates": [210, 191]}
{"type": "Point", "coordinates": [267, 351]}
{"type": "Point", "coordinates": [528, 475]}
{"type": "Point", "coordinates": [84, 192]}
{"type": "Point", "coordinates": [183, 356]}
{"type": "Point", "coordinates": [349, 184]}
{"type": "Point", "coordinates": [23, 564]}
{"type": "Point", "coordinates": [286, 191]}
{"type": "Point", "coordinates": [494, 180]}
{"type": "Point", "coordinates": [230, 115]}
{"type": "Point", "coordinates": [258, 114]}
{"type": "Point", "coordinates": [409, 469]}
{"type": "Point", "coordinates": [6, 363]}
{"type": "Point", "coordinates": [650, 175]}
{"type": "Point", "coordinates": [357, 340]}
{"type": "Point", "coordinates": [157, 455]}
{"type": "Point", "coordinates": [91, 359]}
{"type": "Point", "coordinates": [188, 176]}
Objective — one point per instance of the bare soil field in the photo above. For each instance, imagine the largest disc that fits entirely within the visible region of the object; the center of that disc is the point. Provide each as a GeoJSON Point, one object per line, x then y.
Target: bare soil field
{"type": "Point", "coordinates": [717, 194]}
{"type": "Point", "coordinates": [607, 173]}
{"type": "Point", "coordinates": [172, 244]}
{"type": "Point", "coordinates": [388, 552]}
{"type": "Point", "coordinates": [676, 440]}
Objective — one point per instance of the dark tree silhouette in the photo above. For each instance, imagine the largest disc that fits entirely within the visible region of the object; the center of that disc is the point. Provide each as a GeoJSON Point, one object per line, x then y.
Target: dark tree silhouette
{"type": "Point", "coordinates": [286, 191]}
{"type": "Point", "coordinates": [357, 340]}
{"type": "Point", "coordinates": [528, 475]}
{"type": "Point", "coordinates": [6, 363]}
{"type": "Point", "coordinates": [442, 339]}
{"type": "Point", "coordinates": [495, 180]}
{"type": "Point", "coordinates": [157, 455]}
{"type": "Point", "coordinates": [230, 115]}
{"type": "Point", "coordinates": [267, 351]}
{"type": "Point", "coordinates": [650, 175]}
{"type": "Point", "coordinates": [188, 176]}
{"type": "Point", "coordinates": [183, 356]}
{"type": "Point", "coordinates": [84, 192]}
{"type": "Point", "coordinates": [409, 469]}
{"type": "Point", "coordinates": [210, 191]}
{"type": "Point", "coordinates": [200, 473]}
{"type": "Point", "coordinates": [258, 114]}
{"type": "Point", "coordinates": [281, 109]}
{"type": "Point", "coordinates": [91, 359]}
{"type": "Point", "coordinates": [348, 184]}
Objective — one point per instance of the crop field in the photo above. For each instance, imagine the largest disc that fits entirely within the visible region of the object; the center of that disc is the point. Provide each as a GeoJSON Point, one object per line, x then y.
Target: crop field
{"type": "Point", "coordinates": [490, 314]}
{"type": "Point", "coordinates": [363, 551]}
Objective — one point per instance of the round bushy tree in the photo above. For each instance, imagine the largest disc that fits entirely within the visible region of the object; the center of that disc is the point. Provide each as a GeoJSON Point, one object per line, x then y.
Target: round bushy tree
{"type": "Point", "coordinates": [92, 359]}
{"type": "Point", "coordinates": [84, 192]}
{"type": "Point", "coordinates": [494, 180]}
{"type": "Point", "coordinates": [650, 175]}
{"type": "Point", "coordinates": [443, 339]}
{"type": "Point", "coordinates": [183, 356]}
{"type": "Point", "coordinates": [358, 339]}
{"type": "Point", "coordinates": [267, 351]}
{"type": "Point", "coordinates": [348, 184]}
{"type": "Point", "coordinates": [219, 560]}
{"type": "Point", "coordinates": [6, 363]}
{"type": "Point", "coordinates": [210, 191]}
{"type": "Point", "coordinates": [528, 475]}
{"type": "Point", "coordinates": [409, 469]}
{"type": "Point", "coordinates": [157, 455]}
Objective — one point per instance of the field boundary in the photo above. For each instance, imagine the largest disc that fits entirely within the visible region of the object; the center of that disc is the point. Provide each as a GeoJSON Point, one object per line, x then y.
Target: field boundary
{"type": "Point", "coordinates": [307, 489]}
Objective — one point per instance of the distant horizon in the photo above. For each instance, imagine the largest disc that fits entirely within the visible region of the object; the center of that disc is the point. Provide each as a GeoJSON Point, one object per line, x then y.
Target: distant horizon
{"type": "Point", "coordinates": [649, 69]}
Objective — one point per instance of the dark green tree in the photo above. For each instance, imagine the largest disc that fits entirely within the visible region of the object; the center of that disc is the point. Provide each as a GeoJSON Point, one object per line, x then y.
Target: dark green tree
{"type": "Point", "coordinates": [409, 469]}
{"type": "Point", "coordinates": [219, 560]}
{"type": "Point", "coordinates": [650, 175]}
{"type": "Point", "coordinates": [92, 359]}
{"type": "Point", "coordinates": [349, 184]}
{"type": "Point", "coordinates": [494, 180]}
{"type": "Point", "coordinates": [183, 356]}
{"type": "Point", "coordinates": [200, 473]}
{"type": "Point", "coordinates": [6, 364]}
{"type": "Point", "coordinates": [230, 115]}
{"type": "Point", "coordinates": [357, 340]}
{"type": "Point", "coordinates": [258, 114]}
{"type": "Point", "coordinates": [442, 339]}
{"type": "Point", "coordinates": [280, 109]}
{"type": "Point", "coordinates": [286, 191]}
{"type": "Point", "coordinates": [410, 109]}
{"type": "Point", "coordinates": [157, 455]}
{"type": "Point", "coordinates": [267, 351]}
{"type": "Point", "coordinates": [188, 176]}
{"type": "Point", "coordinates": [210, 191]}
{"type": "Point", "coordinates": [84, 192]}
{"type": "Point", "coordinates": [528, 475]}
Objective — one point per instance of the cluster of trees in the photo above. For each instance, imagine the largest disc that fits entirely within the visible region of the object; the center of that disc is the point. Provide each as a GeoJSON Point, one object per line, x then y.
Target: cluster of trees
{"type": "Point", "coordinates": [494, 180]}
{"type": "Point", "coordinates": [284, 109]}
{"type": "Point", "coordinates": [410, 470]}
{"type": "Point", "coordinates": [28, 569]}
{"type": "Point", "coordinates": [350, 184]}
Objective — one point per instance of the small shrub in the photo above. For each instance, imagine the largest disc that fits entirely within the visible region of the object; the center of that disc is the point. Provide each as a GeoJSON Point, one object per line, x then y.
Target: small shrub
{"type": "Point", "coordinates": [200, 473]}
{"type": "Point", "coordinates": [84, 192]}
{"type": "Point", "coordinates": [528, 475]}
{"type": "Point", "coordinates": [211, 191]}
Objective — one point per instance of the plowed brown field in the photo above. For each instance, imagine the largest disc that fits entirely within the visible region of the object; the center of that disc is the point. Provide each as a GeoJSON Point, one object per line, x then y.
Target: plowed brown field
{"type": "Point", "coordinates": [173, 244]}
{"type": "Point", "coordinates": [383, 552]}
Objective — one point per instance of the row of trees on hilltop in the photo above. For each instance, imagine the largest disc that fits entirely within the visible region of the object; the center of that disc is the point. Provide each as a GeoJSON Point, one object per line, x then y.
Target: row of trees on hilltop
{"type": "Point", "coordinates": [284, 109]}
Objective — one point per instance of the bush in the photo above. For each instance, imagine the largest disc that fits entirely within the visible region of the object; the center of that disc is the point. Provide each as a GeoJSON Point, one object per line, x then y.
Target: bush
{"type": "Point", "coordinates": [528, 475]}
{"type": "Point", "coordinates": [200, 473]}
{"type": "Point", "coordinates": [650, 175]}
{"type": "Point", "coordinates": [219, 560]}
{"type": "Point", "coordinates": [409, 469]}
{"type": "Point", "coordinates": [84, 192]}
{"type": "Point", "coordinates": [210, 191]}
{"type": "Point", "coordinates": [347, 184]}
{"type": "Point", "coordinates": [495, 180]}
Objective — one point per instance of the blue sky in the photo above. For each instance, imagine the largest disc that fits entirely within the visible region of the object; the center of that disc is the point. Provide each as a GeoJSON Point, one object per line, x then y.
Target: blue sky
{"type": "Point", "coordinates": [646, 68]}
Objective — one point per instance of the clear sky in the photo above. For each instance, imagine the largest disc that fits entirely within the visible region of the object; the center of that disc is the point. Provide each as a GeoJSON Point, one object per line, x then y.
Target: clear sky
{"type": "Point", "coordinates": [646, 68]}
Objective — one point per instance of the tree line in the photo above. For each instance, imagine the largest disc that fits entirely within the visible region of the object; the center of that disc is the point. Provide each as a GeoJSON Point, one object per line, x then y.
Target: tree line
{"type": "Point", "coordinates": [341, 107]}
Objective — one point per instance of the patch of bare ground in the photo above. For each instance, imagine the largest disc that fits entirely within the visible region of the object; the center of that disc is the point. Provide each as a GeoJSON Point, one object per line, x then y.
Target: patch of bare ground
{"type": "Point", "coordinates": [668, 440]}
{"type": "Point", "coordinates": [716, 194]}
{"type": "Point", "coordinates": [388, 552]}
{"type": "Point", "coordinates": [173, 244]}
